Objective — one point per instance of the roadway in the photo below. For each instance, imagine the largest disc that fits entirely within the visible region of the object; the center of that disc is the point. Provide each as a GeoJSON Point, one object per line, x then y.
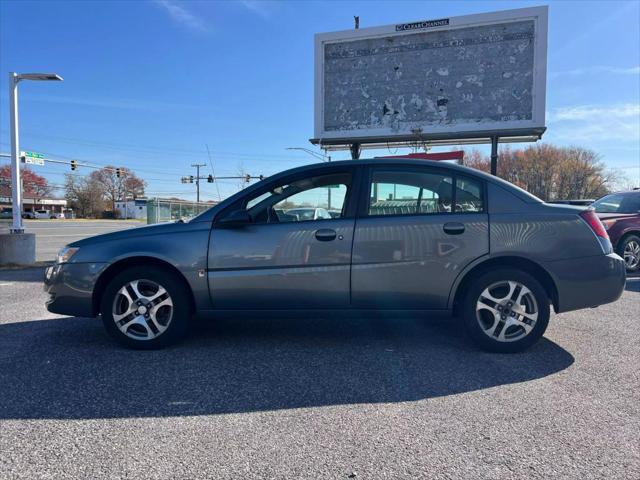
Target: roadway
{"type": "Point", "coordinates": [52, 235]}
{"type": "Point", "coordinates": [316, 398]}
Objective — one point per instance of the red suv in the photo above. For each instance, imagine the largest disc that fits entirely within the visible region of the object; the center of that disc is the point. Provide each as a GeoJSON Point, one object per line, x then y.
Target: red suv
{"type": "Point", "coordinates": [620, 214]}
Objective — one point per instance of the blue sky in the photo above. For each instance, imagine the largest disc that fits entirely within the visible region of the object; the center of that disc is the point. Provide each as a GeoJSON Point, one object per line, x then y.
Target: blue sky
{"type": "Point", "coordinates": [149, 83]}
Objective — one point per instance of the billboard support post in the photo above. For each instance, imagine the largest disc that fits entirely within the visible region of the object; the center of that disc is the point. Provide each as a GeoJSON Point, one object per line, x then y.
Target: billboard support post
{"type": "Point", "coordinates": [355, 151]}
{"type": "Point", "coordinates": [494, 155]}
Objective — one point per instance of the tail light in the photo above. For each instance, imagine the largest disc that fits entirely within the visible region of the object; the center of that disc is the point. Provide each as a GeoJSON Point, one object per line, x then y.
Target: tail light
{"type": "Point", "coordinates": [594, 222]}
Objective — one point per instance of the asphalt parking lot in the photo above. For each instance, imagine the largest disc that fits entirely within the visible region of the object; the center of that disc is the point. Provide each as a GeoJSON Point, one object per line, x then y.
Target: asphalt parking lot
{"type": "Point", "coordinates": [316, 398]}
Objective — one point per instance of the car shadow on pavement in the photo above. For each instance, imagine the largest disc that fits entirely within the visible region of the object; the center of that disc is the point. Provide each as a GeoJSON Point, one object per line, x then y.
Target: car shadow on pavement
{"type": "Point", "coordinates": [67, 368]}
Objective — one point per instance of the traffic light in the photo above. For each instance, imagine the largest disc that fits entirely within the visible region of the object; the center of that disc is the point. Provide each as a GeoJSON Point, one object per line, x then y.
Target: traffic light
{"type": "Point", "coordinates": [261, 177]}
{"type": "Point", "coordinates": [247, 178]}
{"type": "Point", "coordinates": [118, 172]}
{"type": "Point", "coordinates": [190, 178]}
{"type": "Point", "coordinates": [210, 179]}
{"type": "Point", "coordinates": [74, 164]}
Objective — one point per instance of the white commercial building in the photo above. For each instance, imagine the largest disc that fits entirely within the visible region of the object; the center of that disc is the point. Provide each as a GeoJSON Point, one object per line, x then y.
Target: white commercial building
{"type": "Point", "coordinates": [132, 208]}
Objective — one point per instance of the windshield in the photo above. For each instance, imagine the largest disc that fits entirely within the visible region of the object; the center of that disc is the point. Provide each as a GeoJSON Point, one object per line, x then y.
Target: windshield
{"type": "Point", "coordinates": [618, 203]}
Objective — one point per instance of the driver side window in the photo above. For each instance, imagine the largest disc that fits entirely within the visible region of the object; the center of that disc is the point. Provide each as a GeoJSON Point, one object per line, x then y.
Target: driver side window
{"type": "Point", "coordinates": [309, 199]}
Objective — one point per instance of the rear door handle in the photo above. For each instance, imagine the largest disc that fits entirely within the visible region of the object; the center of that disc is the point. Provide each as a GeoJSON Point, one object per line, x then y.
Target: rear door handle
{"type": "Point", "coordinates": [453, 228]}
{"type": "Point", "coordinates": [325, 234]}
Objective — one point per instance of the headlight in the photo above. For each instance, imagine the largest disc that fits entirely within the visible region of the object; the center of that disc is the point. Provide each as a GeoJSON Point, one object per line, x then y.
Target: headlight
{"type": "Point", "coordinates": [66, 253]}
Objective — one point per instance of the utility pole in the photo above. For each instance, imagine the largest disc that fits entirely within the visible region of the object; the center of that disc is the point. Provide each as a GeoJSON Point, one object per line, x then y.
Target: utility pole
{"type": "Point", "coordinates": [198, 165]}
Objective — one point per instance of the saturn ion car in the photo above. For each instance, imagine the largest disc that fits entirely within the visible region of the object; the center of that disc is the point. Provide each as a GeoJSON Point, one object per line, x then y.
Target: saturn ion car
{"type": "Point", "coordinates": [411, 236]}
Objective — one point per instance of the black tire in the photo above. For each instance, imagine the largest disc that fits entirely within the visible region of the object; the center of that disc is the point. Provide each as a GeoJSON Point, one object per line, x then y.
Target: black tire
{"type": "Point", "coordinates": [622, 244]}
{"type": "Point", "coordinates": [176, 327]}
{"type": "Point", "coordinates": [473, 325]}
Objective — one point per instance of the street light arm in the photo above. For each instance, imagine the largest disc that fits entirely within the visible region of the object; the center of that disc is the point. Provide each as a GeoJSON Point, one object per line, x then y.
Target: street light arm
{"type": "Point", "coordinates": [310, 152]}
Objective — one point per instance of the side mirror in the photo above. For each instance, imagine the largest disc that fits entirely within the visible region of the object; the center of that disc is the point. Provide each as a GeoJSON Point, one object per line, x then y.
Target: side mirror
{"type": "Point", "coordinates": [236, 218]}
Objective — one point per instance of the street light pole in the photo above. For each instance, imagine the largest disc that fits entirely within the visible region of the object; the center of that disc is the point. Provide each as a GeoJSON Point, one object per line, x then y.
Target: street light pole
{"type": "Point", "coordinates": [16, 186]}
{"type": "Point", "coordinates": [16, 191]}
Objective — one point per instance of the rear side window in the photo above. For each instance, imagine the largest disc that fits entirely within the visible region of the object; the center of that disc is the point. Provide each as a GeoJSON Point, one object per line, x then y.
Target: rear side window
{"type": "Point", "coordinates": [618, 203]}
{"type": "Point", "coordinates": [469, 196]}
{"type": "Point", "coordinates": [423, 193]}
{"type": "Point", "coordinates": [410, 193]}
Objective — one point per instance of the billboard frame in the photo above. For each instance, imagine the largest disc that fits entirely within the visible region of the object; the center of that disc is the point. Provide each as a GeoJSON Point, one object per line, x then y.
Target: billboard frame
{"type": "Point", "coordinates": [522, 130]}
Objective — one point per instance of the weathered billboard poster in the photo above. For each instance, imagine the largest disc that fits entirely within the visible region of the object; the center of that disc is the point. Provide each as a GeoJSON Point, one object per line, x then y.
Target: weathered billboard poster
{"type": "Point", "coordinates": [476, 73]}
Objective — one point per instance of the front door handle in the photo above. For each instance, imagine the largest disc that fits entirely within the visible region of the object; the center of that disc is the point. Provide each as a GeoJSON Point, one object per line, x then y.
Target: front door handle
{"type": "Point", "coordinates": [453, 228]}
{"type": "Point", "coordinates": [325, 235]}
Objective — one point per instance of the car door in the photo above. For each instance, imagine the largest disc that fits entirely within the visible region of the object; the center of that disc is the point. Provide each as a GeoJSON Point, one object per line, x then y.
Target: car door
{"type": "Point", "coordinates": [283, 260]}
{"type": "Point", "coordinates": [414, 234]}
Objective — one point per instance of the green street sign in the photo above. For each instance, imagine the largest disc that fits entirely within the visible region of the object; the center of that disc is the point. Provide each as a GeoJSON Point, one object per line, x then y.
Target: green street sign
{"type": "Point", "coordinates": [332, 186]}
{"type": "Point", "coordinates": [33, 154]}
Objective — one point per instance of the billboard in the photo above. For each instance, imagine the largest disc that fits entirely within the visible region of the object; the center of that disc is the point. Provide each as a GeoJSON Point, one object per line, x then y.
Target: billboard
{"type": "Point", "coordinates": [450, 77]}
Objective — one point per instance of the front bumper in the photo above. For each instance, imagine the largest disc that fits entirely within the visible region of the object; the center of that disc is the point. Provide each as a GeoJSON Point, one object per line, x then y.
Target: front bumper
{"type": "Point", "coordinates": [70, 287]}
{"type": "Point", "coordinates": [587, 282]}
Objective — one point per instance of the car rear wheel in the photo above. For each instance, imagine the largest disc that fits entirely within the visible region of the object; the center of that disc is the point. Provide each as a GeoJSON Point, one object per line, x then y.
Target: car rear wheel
{"type": "Point", "coordinates": [145, 308]}
{"type": "Point", "coordinates": [629, 250]}
{"type": "Point", "coordinates": [505, 311]}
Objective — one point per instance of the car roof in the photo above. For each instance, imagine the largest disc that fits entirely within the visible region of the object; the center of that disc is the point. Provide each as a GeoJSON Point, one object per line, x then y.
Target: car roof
{"type": "Point", "coordinates": [519, 192]}
{"type": "Point", "coordinates": [523, 194]}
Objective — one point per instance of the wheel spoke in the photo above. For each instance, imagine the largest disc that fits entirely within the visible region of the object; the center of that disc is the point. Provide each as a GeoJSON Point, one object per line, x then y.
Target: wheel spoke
{"type": "Point", "coordinates": [133, 290]}
{"type": "Point", "coordinates": [527, 327]}
{"type": "Point", "coordinates": [153, 320]}
{"type": "Point", "coordinates": [156, 296]}
{"type": "Point", "coordinates": [164, 303]}
{"type": "Point", "coordinates": [117, 317]}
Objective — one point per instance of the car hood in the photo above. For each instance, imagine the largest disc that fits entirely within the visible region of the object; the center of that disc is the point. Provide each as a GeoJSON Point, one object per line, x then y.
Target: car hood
{"type": "Point", "coordinates": [155, 229]}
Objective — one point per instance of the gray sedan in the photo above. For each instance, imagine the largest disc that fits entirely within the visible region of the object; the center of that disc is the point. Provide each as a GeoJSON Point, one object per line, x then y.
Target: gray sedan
{"type": "Point", "coordinates": [408, 235]}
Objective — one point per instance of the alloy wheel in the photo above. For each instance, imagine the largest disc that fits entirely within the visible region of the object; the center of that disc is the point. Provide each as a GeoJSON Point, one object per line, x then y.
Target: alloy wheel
{"type": "Point", "coordinates": [631, 254]}
{"type": "Point", "coordinates": [142, 309]}
{"type": "Point", "coordinates": [507, 311]}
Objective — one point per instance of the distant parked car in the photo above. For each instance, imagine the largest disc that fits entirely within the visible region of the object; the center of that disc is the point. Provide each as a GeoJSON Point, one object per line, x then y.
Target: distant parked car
{"type": "Point", "coordinates": [43, 214]}
{"type": "Point", "coordinates": [6, 213]}
{"type": "Point", "coordinates": [58, 215]}
{"type": "Point", "coordinates": [28, 214]}
{"type": "Point", "coordinates": [413, 235]}
{"type": "Point", "coordinates": [620, 214]}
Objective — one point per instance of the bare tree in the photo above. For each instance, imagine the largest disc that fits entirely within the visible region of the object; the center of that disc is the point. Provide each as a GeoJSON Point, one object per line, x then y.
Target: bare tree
{"type": "Point", "coordinates": [84, 195]}
{"type": "Point", "coordinates": [551, 172]}
{"type": "Point", "coordinates": [118, 188]}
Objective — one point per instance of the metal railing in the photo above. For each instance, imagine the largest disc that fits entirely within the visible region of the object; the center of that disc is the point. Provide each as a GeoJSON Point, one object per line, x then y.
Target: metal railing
{"type": "Point", "coordinates": [161, 210]}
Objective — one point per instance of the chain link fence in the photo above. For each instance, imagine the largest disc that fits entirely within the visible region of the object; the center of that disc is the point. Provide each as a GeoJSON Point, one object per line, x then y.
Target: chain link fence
{"type": "Point", "coordinates": [160, 210]}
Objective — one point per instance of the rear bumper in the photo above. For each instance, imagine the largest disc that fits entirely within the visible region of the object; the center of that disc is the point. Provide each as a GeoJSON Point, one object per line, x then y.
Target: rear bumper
{"type": "Point", "coordinates": [587, 282]}
{"type": "Point", "coordinates": [70, 287]}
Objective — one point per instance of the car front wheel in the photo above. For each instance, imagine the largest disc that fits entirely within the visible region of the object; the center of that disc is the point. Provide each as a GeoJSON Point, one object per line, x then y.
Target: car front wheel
{"type": "Point", "coordinates": [505, 311]}
{"type": "Point", "coordinates": [145, 308]}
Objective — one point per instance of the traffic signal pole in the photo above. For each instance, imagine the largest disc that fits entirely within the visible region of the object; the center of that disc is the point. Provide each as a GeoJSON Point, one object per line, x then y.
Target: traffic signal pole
{"type": "Point", "coordinates": [198, 165]}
